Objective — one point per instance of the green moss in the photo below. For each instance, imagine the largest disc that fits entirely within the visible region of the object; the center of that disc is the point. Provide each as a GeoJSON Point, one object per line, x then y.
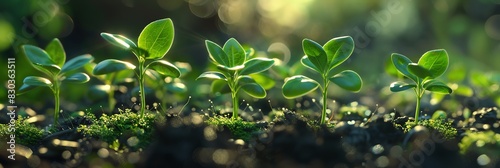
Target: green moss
{"type": "Point", "coordinates": [484, 142]}
{"type": "Point", "coordinates": [127, 127]}
{"type": "Point", "coordinates": [239, 128]}
{"type": "Point", "coordinates": [26, 133]}
{"type": "Point", "coordinates": [439, 125]}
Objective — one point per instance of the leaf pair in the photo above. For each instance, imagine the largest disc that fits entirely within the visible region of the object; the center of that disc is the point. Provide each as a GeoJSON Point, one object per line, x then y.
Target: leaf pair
{"type": "Point", "coordinates": [430, 66]}
{"type": "Point", "coordinates": [235, 69]}
{"type": "Point", "coordinates": [52, 62]}
{"type": "Point", "coordinates": [154, 42]}
{"type": "Point", "coordinates": [323, 59]}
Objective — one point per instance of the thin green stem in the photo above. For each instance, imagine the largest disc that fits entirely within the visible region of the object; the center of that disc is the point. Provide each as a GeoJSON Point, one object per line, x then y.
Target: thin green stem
{"type": "Point", "coordinates": [111, 93]}
{"type": "Point", "coordinates": [419, 92]}
{"type": "Point", "coordinates": [325, 96]}
{"type": "Point", "coordinates": [142, 94]}
{"type": "Point", "coordinates": [233, 82]}
{"type": "Point", "coordinates": [56, 92]}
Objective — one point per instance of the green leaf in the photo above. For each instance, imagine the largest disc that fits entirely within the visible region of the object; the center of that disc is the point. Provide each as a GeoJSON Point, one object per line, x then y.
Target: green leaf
{"type": "Point", "coordinates": [230, 69]}
{"type": "Point", "coordinates": [119, 40]}
{"type": "Point", "coordinates": [217, 54]}
{"type": "Point", "coordinates": [307, 63]}
{"type": "Point", "coordinates": [157, 38]}
{"type": "Point", "coordinates": [40, 60]}
{"type": "Point", "coordinates": [401, 63]}
{"type": "Point", "coordinates": [235, 52]}
{"type": "Point", "coordinates": [77, 62]}
{"type": "Point", "coordinates": [256, 65]}
{"type": "Point", "coordinates": [176, 87]}
{"type": "Point", "coordinates": [297, 86]}
{"type": "Point", "coordinates": [316, 54]}
{"type": "Point", "coordinates": [37, 81]}
{"type": "Point", "coordinates": [338, 50]}
{"type": "Point", "coordinates": [220, 86]}
{"type": "Point", "coordinates": [56, 52]}
{"type": "Point", "coordinates": [401, 86]}
{"type": "Point", "coordinates": [254, 90]}
{"type": "Point", "coordinates": [418, 70]}
{"type": "Point", "coordinates": [264, 80]}
{"type": "Point", "coordinates": [348, 80]}
{"type": "Point", "coordinates": [437, 86]}
{"type": "Point", "coordinates": [212, 75]}
{"type": "Point", "coordinates": [110, 66]}
{"type": "Point", "coordinates": [77, 78]}
{"type": "Point", "coordinates": [436, 61]}
{"type": "Point", "coordinates": [25, 88]}
{"type": "Point", "coordinates": [165, 68]}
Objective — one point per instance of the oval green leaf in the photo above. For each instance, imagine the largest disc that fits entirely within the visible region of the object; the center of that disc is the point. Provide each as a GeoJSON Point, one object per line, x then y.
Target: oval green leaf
{"type": "Point", "coordinates": [401, 86]}
{"type": "Point", "coordinates": [315, 53]}
{"type": "Point", "coordinates": [338, 50]}
{"type": "Point", "coordinates": [307, 63]}
{"type": "Point", "coordinates": [56, 52]}
{"type": "Point", "coordinates": [40, 60]}
{"type": "Point", "coordinates": [235, 52]}
{"type": "Point", "coordinates": [119, 41]}
{"type": "Point", "coordinates": [437, 86]}
{"type": "Point", "coordinates": [165, 68]}
{"type": "Point", "coordinates": [77, 78]}
{"type": "Point", "coordinates": [110, 66]}
{"type": "Point", "coordinates": [51, 70]}
{"type": "Point", "coordinates": [297, 86]}
{"type": "Point", "coordinates": [256, 65]}
{"type": "Point", "coordinates": [401, 63]}
{"type": "Point", "coordinates": [25, 88]}
{"type": "Point", "coordinates": [212, 75]}
{"type": "Point", "coordinates": [77, 62]}
{"type": "Point", "coordinates": [37, 81]}
{"type": "Point", "coordinates": [176, 87]}
{"type": "Point", "coordinates": [436, 61]}
{"type": "Point", "coordinates": [217, 54]}
{"type": "Point", "coordinates": [418, 70]}
{"type": "Point", "coordinates": [157, 38]}
{"type": "Point", "coordinates": [264, 80]}
{"type": "Point", "coordinates": [348, 80]}
{"type": "Point", "coordinates": [255, 90]}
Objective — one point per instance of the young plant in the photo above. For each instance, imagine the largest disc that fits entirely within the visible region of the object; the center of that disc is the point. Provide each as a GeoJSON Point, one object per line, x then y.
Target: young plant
{"type": "Point", "coordinates": [235, 68]}
{"type": "Point", "coordinates": [430, 66]}
{"type": "Point", "coordinates": [154, 42]}
{"type": "Point", "coordinates": [323, 59]}
{"type": "Point", "coordinates": [51, 61]}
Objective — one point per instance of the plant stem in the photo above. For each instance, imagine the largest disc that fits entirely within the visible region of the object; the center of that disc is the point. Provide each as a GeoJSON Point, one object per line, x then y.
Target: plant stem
{"type": "Point", "coordinates": [142, 94]}
{"type": "Point", "coordinates": [111, 93]}
{"type": "Point", "coordinates": [417, 109]}
{"type": "Point", "coordinates": [235, 106]}
{"type": "Point", "coordinates": [56, 91]}
{"type": "Point", "coordinates": [325, 95]}
{"type": "Point", "coordinates": [419, 92]}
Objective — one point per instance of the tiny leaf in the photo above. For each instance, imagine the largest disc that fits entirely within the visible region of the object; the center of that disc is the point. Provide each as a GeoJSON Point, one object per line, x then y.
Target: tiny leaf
{"type": "Point", "coordinates": [418, 70]}
{"type": "Point", "coordinates": [25, 88]}
{"type": "Point", "coordinates": [338, 50]}
{"type": "Point", "coordinates": [437, 86]}
{"type": "Point", "coordinates": [217, 54]}
{"type": "Point", "coordinates": [110, 66]}
{"type": "Point", "coordinates": [436, 61]}
{"type": "Point", "coordinates": [315, 53]}
{"type": "Point", "coordinates": [77, 78]}
{"type": "Point", "coordinates": [348, 80]}
{"type": "Point", "coordinates": [307, 63]}
{"type": "Point", "coordinates": [401, 63]}
{"type": "Point", "coordinates": [212, 75]}
{"type": "Point", "coordinates": [254, 90]}
{"type": "Point", "coordinates": [37, 81]}
{"type": "Point", "coordinates": [165, 68]}
{"type": "Point", "coordinates": [56, 52]}
{"type": "Point", "coordinates": [235, 52]}
{"type": "Point", "coordinates": [157, 38]}
{"type": "Point", "coordinates": [256, 65]}
{"type": "Point", "coordinates": [298, 85]}
{"type": "Point", "coordinates": [119, 40]}
{"type": "Point", "coordinates": [40, 60]}
{"type": "Point", "coordinates": [77, 62]}
{"type": "Point", "coordinates": [401, 86]}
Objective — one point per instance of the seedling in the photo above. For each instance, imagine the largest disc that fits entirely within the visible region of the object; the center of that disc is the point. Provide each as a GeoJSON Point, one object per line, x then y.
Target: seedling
{"type": "Point", "coordinates": [323, 59]}
{"type": "Point", "coordinates": [235, 68]}
{"type": "Point", "coordinates": [51, 61]}
{"type": "Point", "coordinates": [430, 66]}
{"type": "Point", "coordinates": [154, 42]}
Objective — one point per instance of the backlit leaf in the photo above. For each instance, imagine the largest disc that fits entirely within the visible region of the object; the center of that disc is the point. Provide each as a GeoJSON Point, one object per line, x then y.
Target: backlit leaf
{"type": "Point", "coordinates": [165, 68]}
{"type": "Point", "coordinates": [77, 62]}
{"type": "Point", "coordinates": [401, 86]}
{"type": "Point", "coordinates": [56, 52]}
{"type": "Point", "coordinates": [157, 38]}
{"type": "Point", "coordinates": [256, 65]}
{"type": "Point", "coordinates": [338, 50]}
{"type": "Point", "coordinates": [110, 66]}
{"type": "Point", "coordinates": [235, 52]}
{"type": "Point", "coordinates": [436, 61]}
{"type": "Point", "coordinates": [348, 80]}
{"type": "Point", "coordinates": [316, 54]}
{"type": "Point", "coordinates": [297, 86]}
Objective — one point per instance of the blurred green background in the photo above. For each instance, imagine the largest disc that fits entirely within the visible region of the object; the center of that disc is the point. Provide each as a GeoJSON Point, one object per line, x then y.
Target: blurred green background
{"type": "Point", "coordinates": [468, 29]}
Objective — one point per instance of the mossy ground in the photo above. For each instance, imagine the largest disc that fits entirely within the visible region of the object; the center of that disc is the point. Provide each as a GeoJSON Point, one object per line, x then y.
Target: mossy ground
{"type": "Point", "coordinates": [26, 133]}
{"type": "Point", "coordinates": [240, 129]}
{"type": "Point", "coordinates": [440, 125]}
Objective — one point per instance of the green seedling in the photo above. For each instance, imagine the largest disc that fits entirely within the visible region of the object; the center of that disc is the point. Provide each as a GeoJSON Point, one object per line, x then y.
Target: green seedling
{"type": "Point", "coordinates": [154, 42]}
{"type": "Point", "coordinates": [235, 68]}
{"type": "Point", "coordinates": [323, 59]}
{"type": "Point", "coordinates": [110, 80]}
{"type": "Point", "coordinates": [430, 66]}
{"type": "Point", "coordinates": [52, 62]}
